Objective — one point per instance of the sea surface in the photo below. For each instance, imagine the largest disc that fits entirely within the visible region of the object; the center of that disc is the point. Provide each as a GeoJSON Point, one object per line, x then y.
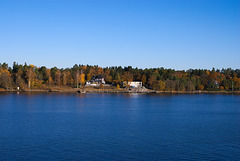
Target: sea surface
{"type": "Point", "coordinates": [119, 127]}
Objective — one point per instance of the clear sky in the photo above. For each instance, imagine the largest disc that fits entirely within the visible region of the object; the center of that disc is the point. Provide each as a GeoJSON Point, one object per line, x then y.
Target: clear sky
{"type": "Point", "coordinates": [179, 34]}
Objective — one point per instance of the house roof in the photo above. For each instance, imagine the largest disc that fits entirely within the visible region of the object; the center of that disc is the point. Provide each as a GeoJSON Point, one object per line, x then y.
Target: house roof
{"type": "Point", "coordinates": [97, 77]}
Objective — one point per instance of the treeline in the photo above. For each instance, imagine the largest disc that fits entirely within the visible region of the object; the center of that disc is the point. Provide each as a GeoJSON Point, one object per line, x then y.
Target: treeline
{"type": "Point", "coordinates": [32, 77]}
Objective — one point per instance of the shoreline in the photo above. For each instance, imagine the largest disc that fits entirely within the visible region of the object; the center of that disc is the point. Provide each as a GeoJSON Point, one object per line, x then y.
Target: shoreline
{"type": "Point", "coordinates": [119, 91]}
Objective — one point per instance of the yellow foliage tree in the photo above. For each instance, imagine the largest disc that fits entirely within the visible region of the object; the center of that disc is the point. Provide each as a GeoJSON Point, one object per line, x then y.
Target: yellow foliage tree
{"type": "Point", "coordinates": [127, 76]}
{"type": "Point", "coordinates": [37, 83]}
{"type": "Point", "coordinates": [221, 88]}
{"type": "Point", "coordinates": [89, 76]}
{"type": "Point", "coordinates": [159, 86]}
{"type": "Point", "coordinates": [69, 78]}
{"type": "Point", "coordinates": [4, 78]}
{"type": "Point", "coordinates": [118, 86]}
{"type": "Point", "coordinates": [200, 87]}
{"type": "Point", "coordinates": [82, 79]}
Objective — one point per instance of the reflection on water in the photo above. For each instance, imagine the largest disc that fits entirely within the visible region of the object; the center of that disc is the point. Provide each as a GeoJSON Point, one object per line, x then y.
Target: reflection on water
{"type": "Point", "coordinates": [53, 126]}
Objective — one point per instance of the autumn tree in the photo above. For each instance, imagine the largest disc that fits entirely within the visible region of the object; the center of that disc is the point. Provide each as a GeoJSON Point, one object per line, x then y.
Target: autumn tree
{"type": "Point", "coordinates": [144, 79]}
{"type": "Point", "coordinates": [152, 80]}
{"type": "Point", "coordinates": [127, 76]}
{"type": "Point", "coordinates": [37, 83]}
{"type": "Point", "coordinates": [170, 85]}
{"type": "Point", "coordinates": [49, 77]}
{"type": "Point", "coordinates": [69, 78]}
{"type": "Point", "coordinates": [64, 78]}
{"type": "Point", "coordinates": [58, 75]}
{"type": "Point", "coordinates": [19, 81]}
{"type": "Point", "coordinates": [82, 79]}
{"type": "Point", "coordinates": [200, 87]}
{"type": "Point", "coordinates": [221, 88]}
{"type": "Point", "coordinates": [76, 78]}
{"type": "Point", "coordinates": [53, 73]}
{"type": "Point", "coordinates": [4, 78]}
{"type": "Point", "coordinates": [190, 86]}
{"type": "Point", "coordinates": [117, 79]}
{"type": "Point", "coordinates": [118, 86]}
{"type": "Point", "coordinates": [159, 86]}
{"type": "Point", "coordinates": [30, 75]}
{"type": "Point", "coordinates": [90, 74]}
{"type": "Point", "coordinates": [108, 76]}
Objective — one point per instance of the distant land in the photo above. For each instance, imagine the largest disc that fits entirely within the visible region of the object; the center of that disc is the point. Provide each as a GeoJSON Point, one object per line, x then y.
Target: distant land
{"type": "Point", "coordinates": [87, 78]}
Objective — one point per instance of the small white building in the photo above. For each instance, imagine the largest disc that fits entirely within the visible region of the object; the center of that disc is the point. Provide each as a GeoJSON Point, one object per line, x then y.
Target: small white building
{"type": "Point", "coordinates": [133, 84]}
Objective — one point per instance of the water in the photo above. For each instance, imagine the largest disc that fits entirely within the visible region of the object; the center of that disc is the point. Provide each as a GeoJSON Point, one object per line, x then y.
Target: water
{"type": "Point", "coordinates": [119, 127]}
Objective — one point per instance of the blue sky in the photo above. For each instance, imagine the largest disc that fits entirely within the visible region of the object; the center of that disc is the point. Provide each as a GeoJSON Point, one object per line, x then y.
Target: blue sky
{"type": "Point", "coordinates": [179, 34]}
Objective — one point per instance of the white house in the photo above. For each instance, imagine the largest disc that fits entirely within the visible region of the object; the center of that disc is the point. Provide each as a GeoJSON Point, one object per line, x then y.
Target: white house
{"type": "Point", "coordinates": [133, 84]}
{"type": "Point", "coordinates": [96, 81]}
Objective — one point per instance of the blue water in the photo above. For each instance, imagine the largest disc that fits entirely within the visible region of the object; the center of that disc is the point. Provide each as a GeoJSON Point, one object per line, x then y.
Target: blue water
{"type": "Point", "coordinates": [119, 127]}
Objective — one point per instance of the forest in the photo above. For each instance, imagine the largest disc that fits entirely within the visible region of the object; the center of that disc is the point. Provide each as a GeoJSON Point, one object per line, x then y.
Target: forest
{"type": "Point", "coordinates": [160, 79]}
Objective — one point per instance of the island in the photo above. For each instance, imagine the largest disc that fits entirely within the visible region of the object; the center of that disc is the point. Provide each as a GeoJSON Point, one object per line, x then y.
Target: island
{"type": "Point", "coordinates": [116, 79]}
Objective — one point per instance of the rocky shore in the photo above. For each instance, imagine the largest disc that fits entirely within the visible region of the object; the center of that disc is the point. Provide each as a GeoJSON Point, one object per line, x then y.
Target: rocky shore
{"type": "Point", "coordinates": [115, 90]}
